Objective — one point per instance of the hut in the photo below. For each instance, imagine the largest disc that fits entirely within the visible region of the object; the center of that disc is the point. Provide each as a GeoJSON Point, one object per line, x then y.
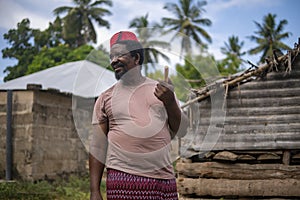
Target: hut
{"type": "Point", "coordinates": [244, 141]}
{"type": "Point", "coordinates": [45, 120]}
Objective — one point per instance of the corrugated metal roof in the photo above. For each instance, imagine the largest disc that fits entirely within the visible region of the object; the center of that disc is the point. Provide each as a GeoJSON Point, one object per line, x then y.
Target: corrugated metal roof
{"type": "Point", "coordinates": [259, 109]}
{"type": "Point", "coordinates": [81, 78]}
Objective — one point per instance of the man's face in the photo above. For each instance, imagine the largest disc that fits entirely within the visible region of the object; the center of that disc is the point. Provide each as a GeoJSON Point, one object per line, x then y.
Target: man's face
{"type": "Point", "coordinates": [121, 60]}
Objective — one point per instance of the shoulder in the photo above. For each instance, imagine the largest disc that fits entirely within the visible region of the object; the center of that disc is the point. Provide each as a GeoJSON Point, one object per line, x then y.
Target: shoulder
{"type": "Point", "coordinates": [107, 92]}
{"type": "Point", "coordinates": [104, 96]}
{"type": "Point", "coordinates": [150, 81]}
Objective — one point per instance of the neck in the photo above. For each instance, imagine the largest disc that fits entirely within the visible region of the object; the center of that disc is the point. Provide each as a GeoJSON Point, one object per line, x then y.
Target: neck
{"type": "Point", "coordinates": [133, 77]}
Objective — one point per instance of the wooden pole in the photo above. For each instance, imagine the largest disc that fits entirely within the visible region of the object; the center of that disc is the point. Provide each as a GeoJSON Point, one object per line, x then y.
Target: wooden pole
{"type": "Point", "coordinates": [166, 74]}
{"type": "Point", "coordinates": [231, 82]}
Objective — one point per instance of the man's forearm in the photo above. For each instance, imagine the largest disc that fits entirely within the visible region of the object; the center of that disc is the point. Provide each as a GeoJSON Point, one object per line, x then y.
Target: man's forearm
{"type": "Point", "coordinates": [97, 156]}
{"type": "Point", "coordinates": [178, 122]}
{"type": "Point", "coordinates": [96, 169]}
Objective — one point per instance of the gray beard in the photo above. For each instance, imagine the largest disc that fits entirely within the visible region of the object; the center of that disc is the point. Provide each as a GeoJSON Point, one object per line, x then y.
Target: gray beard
{"type": "Point", "coordinates": [119, 75]}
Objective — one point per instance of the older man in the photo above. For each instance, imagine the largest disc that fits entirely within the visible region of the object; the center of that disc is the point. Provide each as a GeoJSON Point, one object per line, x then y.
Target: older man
{"type": "Point", "coordinates": [135, 121]}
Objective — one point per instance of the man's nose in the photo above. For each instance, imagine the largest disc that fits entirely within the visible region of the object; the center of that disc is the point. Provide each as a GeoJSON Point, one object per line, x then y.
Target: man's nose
{"type": "Point", "coordinates": [113, 60]}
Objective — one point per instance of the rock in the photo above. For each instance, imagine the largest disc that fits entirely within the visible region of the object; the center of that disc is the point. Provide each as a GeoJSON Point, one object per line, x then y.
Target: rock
{"type": "Point", "coordinates": [269, 156]}
{"type": "Point", "coordinates": [225, 155]}
{"type": "Point", "coordinates": [209, 155]}
{"type": "Point", "coordinates": [246, 157]}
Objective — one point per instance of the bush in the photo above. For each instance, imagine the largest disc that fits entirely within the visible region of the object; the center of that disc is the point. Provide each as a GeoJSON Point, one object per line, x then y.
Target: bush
{"type": "Point", "coordinates": [26, 190]}
{"type": "Point", "coordinates": [74, 188]}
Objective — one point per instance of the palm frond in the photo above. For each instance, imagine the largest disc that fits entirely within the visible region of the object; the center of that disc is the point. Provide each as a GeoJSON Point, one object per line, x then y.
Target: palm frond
{"type": "Point", "coordinates": [61, 10]}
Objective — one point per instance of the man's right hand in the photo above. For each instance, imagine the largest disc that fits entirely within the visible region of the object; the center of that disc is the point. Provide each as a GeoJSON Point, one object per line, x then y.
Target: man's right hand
{"type": "Point", "coordinates": [96, 196]}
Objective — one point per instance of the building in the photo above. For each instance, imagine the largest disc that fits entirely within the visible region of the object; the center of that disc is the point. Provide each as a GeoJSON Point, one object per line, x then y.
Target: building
{"type": "Point", "coordinates": [47, 118]}
{"type": "Point", "coordinates": [245, 139]}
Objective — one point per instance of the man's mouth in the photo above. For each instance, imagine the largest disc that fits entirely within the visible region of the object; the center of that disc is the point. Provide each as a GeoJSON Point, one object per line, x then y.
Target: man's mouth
{"type": "Point", "coordinates": [118, 67]}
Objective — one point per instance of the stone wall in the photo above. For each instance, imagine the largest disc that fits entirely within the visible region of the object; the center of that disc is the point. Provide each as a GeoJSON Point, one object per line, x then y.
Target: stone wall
{"type": "Point", "coordinates": [45, 140]}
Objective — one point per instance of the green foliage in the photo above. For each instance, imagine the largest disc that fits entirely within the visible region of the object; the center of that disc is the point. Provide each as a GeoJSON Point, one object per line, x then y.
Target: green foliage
{"type": "Point", "coordinates": [26, 190]}
{"type": "Point", "coordinates": [233, 61]}
{"type": "Point", "coordinates": [51, 37]}
{"type": "Point", "coordinates": [66, 40]}
{"type": "Point", "coordinates": [188, 22]}
{"type": "Point", "coordinates": [28, 46]}
{"type": "Point", "coordinates": [20, 49]}
{"type": "Point", "coordinates": [189, 72]}
{"type": "Point", "coordinates": [80, 53]}
{"type": "Point", "coordinates": [78, 28]}
{"type": "Point", "coordinates": [268, 37]}
{"type": "Point", "coordinates": [74, 188]}
{"type": "Point", "coordinates": [181, 87]}
{"type": "Point", "coordinates": [37, 50]}
{"type": "Point", "coordinates": [197, 70]}
{"type": "Point", "coordinates": [144, 33]}
{"type": "Point", "coordinates": [50, 57]}
{"type": "Point", "coordinates": [100, 57]}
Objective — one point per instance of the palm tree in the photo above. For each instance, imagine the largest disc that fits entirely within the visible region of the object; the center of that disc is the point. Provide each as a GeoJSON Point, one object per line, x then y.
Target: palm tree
{"type": "Point", "coordinates": [233, 52]}
{"type": "Point", "coordinates": [269, 36]}
{"type": "Point", "coordinates": [144, 33]}
{"type": "Point", "coordinates": [187, 23]}
{"type": "Point", "coordinates": [78, 28]}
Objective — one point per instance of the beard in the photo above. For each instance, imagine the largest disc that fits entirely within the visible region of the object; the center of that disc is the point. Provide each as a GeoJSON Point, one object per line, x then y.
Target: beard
{"type": "Point", "coordinates": [119, 75]}
{"type": "Point", "coordinates": [121, 71]}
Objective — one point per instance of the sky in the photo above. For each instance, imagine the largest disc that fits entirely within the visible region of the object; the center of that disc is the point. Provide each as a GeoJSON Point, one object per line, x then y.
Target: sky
{"type": "Point", "coordinates": [229, 17]}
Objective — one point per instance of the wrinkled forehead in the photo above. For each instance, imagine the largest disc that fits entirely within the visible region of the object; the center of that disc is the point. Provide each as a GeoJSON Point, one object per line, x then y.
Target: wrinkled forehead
{"type": "Point", "coordinates": [116, 48]}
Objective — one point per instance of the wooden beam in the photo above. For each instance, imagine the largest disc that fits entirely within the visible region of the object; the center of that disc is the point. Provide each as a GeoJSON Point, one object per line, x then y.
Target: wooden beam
{"type": "Point", "coordinates": [241, 171]}
{"type": "Point", "coordinates": [286, 158]}
{"type": "Point", "coordinates": [242, 188]}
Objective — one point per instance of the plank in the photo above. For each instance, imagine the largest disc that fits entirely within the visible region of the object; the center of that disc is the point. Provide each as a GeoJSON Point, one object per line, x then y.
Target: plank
{"type": "Point", "coordinates": [252, 102]}
{"type": "Point", "coordinates": [240, 171]}
{"type": "Point", "coordinates": [243, 142]}
{"type": "Point", "coordinates": [251, 120]}
{"type": "Point", "coordinates": [286, 158]}
{"type": "Point", "coordinates": [264, 93]}
{"type": "Point", "coordinates": [270, 84]}
{"type": "Point", "coordinates": [243, 188]}
{"type": "Point", "coordinates": [259, 111]}
{"type": "Point", "coordinates": [256, 128]}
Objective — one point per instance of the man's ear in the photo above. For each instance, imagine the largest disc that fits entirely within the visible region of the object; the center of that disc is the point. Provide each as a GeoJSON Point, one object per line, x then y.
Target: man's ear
{"type": "Point", "coordinates": [137, 58]}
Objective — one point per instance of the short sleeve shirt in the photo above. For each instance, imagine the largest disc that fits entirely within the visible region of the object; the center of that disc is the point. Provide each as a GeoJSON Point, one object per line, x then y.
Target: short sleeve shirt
{"type": "Point", "coordinates": [139, 140]}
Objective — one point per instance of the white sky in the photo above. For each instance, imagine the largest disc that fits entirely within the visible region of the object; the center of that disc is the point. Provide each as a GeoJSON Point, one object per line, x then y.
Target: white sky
{"type": "Point", "coordinates": [229, 17]}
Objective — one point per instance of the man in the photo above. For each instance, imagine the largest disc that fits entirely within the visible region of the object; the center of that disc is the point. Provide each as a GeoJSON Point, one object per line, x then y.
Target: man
{"type": "Point", "coordinates": [134, 121]}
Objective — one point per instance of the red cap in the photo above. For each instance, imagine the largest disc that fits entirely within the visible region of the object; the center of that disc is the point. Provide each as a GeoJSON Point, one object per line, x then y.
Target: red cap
{"type": "Point", "coordinates": [121, 36]}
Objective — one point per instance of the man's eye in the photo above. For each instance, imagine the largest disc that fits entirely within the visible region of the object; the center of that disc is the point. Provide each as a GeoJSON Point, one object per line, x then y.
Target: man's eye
{"type": "Point", "coordinates": [113, 56]}
{"type": "Point", "coordinates": [118, 55]}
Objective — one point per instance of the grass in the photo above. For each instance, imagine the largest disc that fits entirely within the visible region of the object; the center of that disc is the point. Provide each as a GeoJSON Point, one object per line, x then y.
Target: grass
{"type": "Point", "coordinates": [75, 188]}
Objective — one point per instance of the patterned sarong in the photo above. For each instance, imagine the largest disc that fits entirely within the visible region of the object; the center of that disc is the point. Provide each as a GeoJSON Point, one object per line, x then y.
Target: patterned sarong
{"type": "Point", "coordinates": [121, 185]}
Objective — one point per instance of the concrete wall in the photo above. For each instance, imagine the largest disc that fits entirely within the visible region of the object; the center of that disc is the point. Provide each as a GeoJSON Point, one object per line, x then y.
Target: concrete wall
{"type": "Point", "coordinates": [45, 140]}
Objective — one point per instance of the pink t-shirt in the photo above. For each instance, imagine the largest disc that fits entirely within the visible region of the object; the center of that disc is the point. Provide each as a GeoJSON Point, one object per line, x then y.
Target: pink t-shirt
{"type": "Point", "coordinates": [139, 140]}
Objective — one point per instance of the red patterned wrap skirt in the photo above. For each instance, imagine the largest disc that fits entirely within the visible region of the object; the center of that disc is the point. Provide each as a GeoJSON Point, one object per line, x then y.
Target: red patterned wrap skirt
{"type": "Point", "coordinates": [121, 185]}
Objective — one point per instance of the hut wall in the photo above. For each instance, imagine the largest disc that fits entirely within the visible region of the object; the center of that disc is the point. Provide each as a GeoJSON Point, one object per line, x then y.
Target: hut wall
{"type": "Point", "coordinates": [247, 147]}
{"type": "Point", "coordinates": [45, 140]}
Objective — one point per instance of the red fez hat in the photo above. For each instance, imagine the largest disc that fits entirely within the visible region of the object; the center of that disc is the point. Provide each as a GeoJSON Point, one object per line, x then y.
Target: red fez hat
{"type": "Point", "coordinates": [122, 36]}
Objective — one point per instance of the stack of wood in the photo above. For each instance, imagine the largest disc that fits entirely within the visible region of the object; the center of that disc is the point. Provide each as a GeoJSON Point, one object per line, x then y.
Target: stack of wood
{"type": "Point", "coordinates": [256, 153]}
{"type": "Point", "coordinates": [236, 174]}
